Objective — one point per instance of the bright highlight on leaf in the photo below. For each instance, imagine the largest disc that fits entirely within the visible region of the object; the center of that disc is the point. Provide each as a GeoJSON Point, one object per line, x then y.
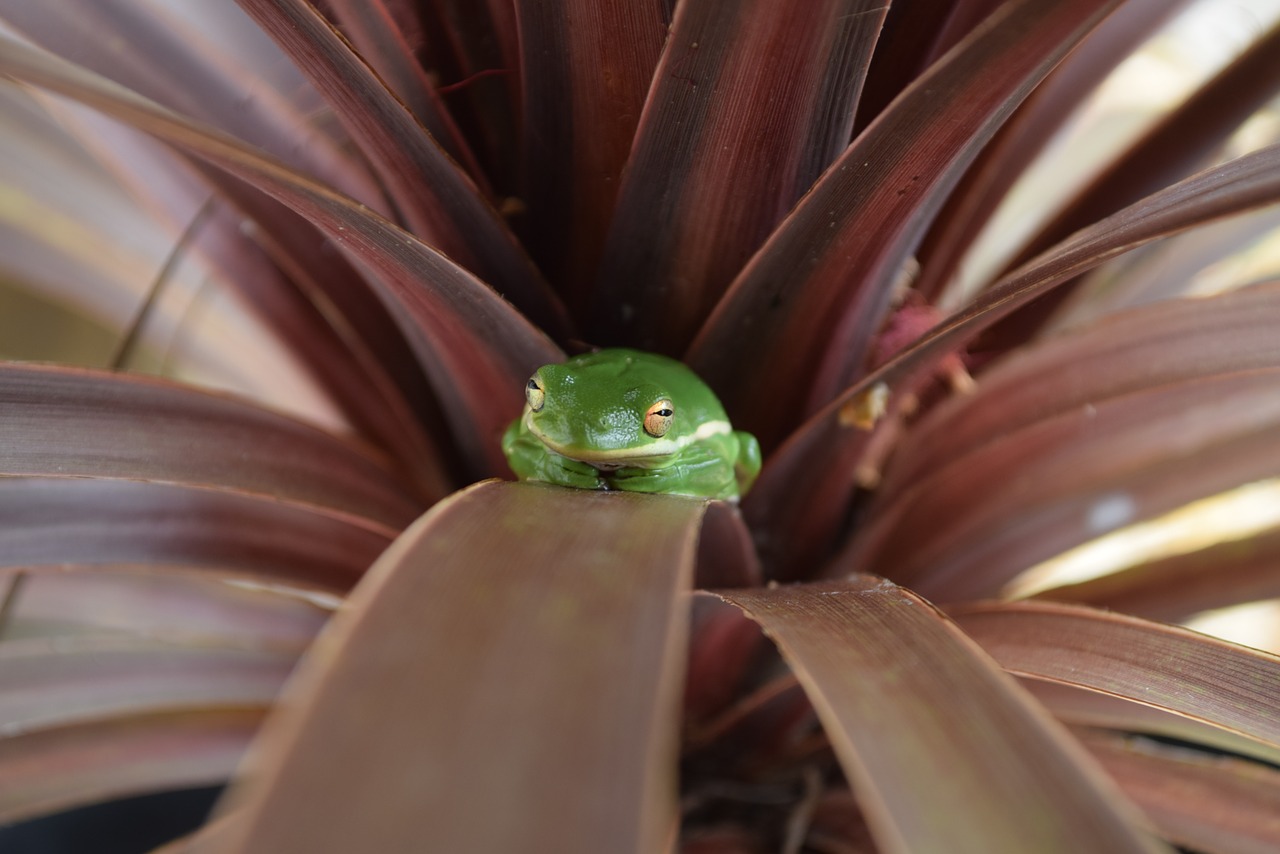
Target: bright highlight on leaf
{"type": "Point", "coordinates": [1228, 517]}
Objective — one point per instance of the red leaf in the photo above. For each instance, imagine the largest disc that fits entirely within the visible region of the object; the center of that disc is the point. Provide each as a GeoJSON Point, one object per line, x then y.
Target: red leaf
{"type": "Point", "coordinates": [1201, 801]}
{"type": "Point", "coordinates": [1179, 144]}
{"type": "Point", "coordinates": [440, 203]}
{"type": "Point", "coordinates": [51, 770]}
{"type": "Point", "coordinates": [475, 347]}
{"type": "Point", "coordinates": [795, 326]}
{"type": "Point", "coordinates": [902, 693]}
{"type": "Point", "coordinates": [805, 465]}
{"type": "Point", "coordinates": [494, 657]}
{"type": "Point", "coordinates": [1224, 685]}
{"type": "Point", "coordinates": [107, 521]}
{"type": "Point", "coordinates": [1024, 136]}
{"type": "Point", "coordinates": [750, 102]}
{"type": "Point", "coordinates": [586, 68]}
{"type": "Point", "coordinates": [71, 422]}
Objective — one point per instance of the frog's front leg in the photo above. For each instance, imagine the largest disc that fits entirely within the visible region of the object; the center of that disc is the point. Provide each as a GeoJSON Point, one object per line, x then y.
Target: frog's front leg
{"type": "Point", "coordinates": [697, 472]}
{"type": "Point", "coordinates": [532, 460]}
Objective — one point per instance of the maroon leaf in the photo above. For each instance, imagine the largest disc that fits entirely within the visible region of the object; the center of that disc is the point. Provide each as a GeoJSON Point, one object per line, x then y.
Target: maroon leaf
{"type": "Point", "coordinates": [44, 685]}
{"type": "Point", "coordinates": [185, 63]}
{"type": "Point", "coordinates": [73, 422]}
{"type": "Point", "coordinates": [1181, 143]}
{"type": "Point", "coordinates": [750, 103]}
{"type": "Point", "coordinates": [497, 649]}
{"type": "Point", "coordinates": [1080, 475]}
{"type": "Point", "coordinates": [1084, 708]}
{"type": "Point", "coordinates": [369, 324]}
{"type": "Point", "coordinates": [1212, 681]}
{"type": "Point", "coordinates": [64, 520]}
{"type": "Point", "coordinates": [321, 309]}
{"type": "Point", "coordinates": [50, 770]}
{"type": "Point", "coordinates": [440, 203]}
{"type": "Point", "coordinates": [804, 465]}
{"type": "Point", "coordinates": [1180, 586]}
{"type": "Point", "coordinates": [378, 39]}
{"type": "Point", "coordinates": [1159, 344]}
{"type": "Point", "coordinates": [902, 693]}
{"type": "Point", "coordinates": [821, 284]}
{"type": "Point", "coordinates": [1026, 133]}
{"type": "Point", "coordinates": [167, 603]}
{"type": "Point", "coordinates": [1200, 801]}
{"type": "Point", "coordinates": [586, 68]}
{"type": "Point", "coordinates": [906, 47]}
{"type": "Point", "coordinates": [474, 346]}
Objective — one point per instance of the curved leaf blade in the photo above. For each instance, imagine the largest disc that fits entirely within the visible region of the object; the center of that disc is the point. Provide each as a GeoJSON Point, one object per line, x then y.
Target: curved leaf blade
{"type": "Point", "coordinates": [45, 685]}
{"type": "Point", "coordinates": [1028, 130]}
{"type": "Point", "coordinates": [100, 521]}
{"type": "Point", "coordinates": [585, 71]}
{"type": "Point", "coordinates": [475, 347]}
{"type": "Point", "coordinates": [795, 326]}
{"type": "Point", "coordinates": [1224, 685]}
{"type": "Point", "coordinates": [50, 770]}
{"type": "Point", "coordinates": [803, 465]}
{"type": "Point", "coordinates": [1183, 585]}
{"type": "Point", "coordinates": [163, 602]}
{"type": "Point", "coordinates": [750, 102]}
{"type": "Point", "coordinates": [1086, 473]}
{"type": "Point", "coordinates": [1159, 344]}
{"type": "Point", "coordinates": [73, 422]}
{"type": "Point", "coordinates": [187, 66]}
{"type": "Point", "coordinates": [1183, 142]}
{"type": "Point", "coordinates": [902, 693]}
{"type": "Point", "coordinates": [1203, 802]}
{"type": "Point", "coordinates": [493, 649]}
{"type": "Point", "coordinates": [382, 42]}
{"type": "Point", "coordinates": [1080, 707]}
{"type": "Point", "coordinates": [439, 201]}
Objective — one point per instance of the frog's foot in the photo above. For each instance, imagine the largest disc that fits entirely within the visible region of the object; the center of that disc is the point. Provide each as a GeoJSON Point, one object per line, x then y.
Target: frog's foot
{"type": "Point", "coordinates": [567, 472]}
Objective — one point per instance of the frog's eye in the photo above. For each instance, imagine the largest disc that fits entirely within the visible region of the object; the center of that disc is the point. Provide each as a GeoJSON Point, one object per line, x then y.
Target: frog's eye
{"type": "Point", "coordinates": [657, 421]}
{"type": "Point", "coordinates": [534, 394]}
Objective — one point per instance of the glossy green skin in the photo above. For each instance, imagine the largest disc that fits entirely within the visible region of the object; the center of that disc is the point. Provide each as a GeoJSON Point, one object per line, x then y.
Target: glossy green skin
{"type": "Point", "coordinates": [590, 431]}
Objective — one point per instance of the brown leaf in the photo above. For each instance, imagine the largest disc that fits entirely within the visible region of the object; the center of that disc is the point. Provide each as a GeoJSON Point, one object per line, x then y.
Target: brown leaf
{"type": "Point", "coordinates": [475, 347]}
{"type": "Point", "coordinates": [45, 685]}
{"type": "Point", "coordinates": [1159, 344]}
{"type": "Point", "coordinates": [750, 102]}
{"type": "Point", "coordinates": [1028, 130]}
{"type": "Point", "coordinates": [440, 203]}
{"type": "Point", "coordinates": [70, 520]}
{"type": "Point", "coordinates": [495, 655]}
{"type": "Point", "coordinates": [1080, 707]}
{"type": "Point", "coordinates": [902, 693]}
{"type": "Point", "coordinates": [796, 324]}
{"type": "Point", "coordinates": [1182, 585]}
{"type": "Point", "coordinates": [1079, 475]}
{"type": "Point", "coordinates": [372, 29]}
{"type": "Point", "coordinates": [209, 62]}
{"type": "Point", "coordinates": [164, 602]}
{"type": "Point", "coordinates": [72, 422]}
{"type": "Point", "coordinates": [806, 464]}
{"type": "Point", "coordinates": [1183, 141]}
{"type": "Point", "coordinates": [1199, 801]}
{"type": "Point", "coordinates": [585, 70]}
{"type": "Point", "coordinates": [54, 769]}
{"type": "Point", "coordinates": [1212, 681]}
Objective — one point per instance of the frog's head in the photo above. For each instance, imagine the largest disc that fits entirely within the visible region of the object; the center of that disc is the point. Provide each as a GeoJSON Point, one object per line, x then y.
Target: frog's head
{"type": "Point", "coordinates": [620, 408]}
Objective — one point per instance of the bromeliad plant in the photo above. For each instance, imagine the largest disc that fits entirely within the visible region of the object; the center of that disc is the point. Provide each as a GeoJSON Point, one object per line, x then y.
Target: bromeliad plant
{"type": "Point", "coordinates": [778, 194]}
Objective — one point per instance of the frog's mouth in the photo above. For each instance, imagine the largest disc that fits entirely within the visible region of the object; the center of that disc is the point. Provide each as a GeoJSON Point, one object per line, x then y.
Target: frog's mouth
{"type": "Point", "coordinates": [656, 454]}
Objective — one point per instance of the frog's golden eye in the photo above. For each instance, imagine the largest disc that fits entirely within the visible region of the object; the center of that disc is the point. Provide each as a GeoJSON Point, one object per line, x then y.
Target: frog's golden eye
{"type": "Point", "coordinates": [534, 394]}
{"type": "Point", "coordinates": [657, 421]}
